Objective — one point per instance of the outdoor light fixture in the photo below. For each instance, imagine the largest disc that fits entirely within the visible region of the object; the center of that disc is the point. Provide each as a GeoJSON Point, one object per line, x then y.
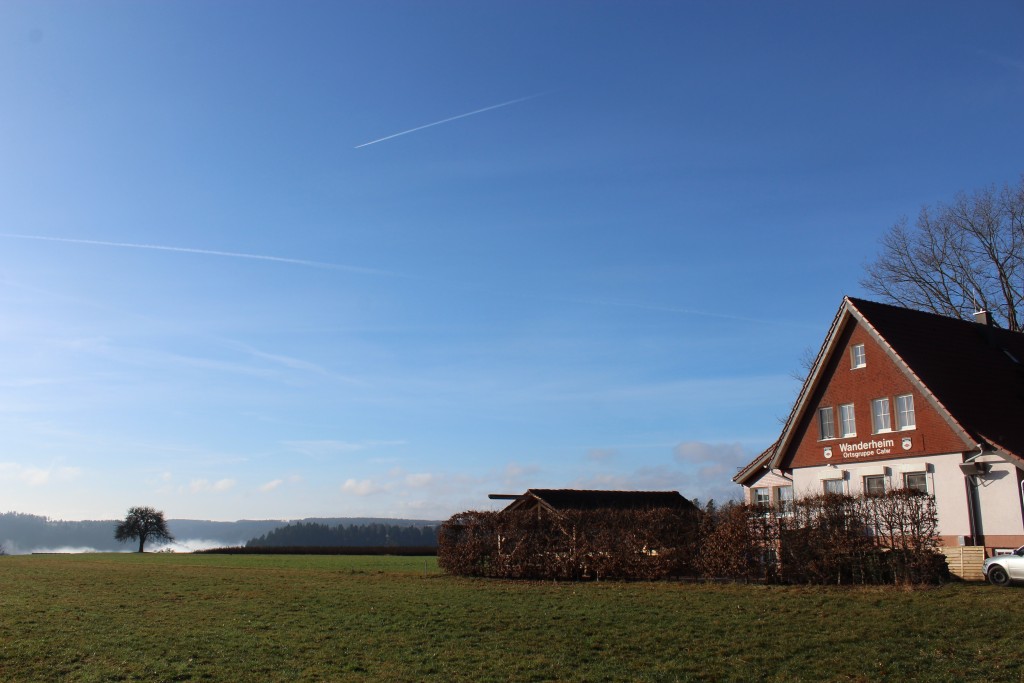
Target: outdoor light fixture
{"type": "Point", "coordinates": [970, 468]}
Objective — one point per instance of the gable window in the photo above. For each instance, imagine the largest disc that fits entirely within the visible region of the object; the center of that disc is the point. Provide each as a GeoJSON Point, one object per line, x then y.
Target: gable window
{"type": "Point", "coordinates": [905, 412]}
{"type": "Point", "coordinates": [874, 485]}
{"type": "Point", "coordinates": [847, 422]}
{"type": "Point", "coordinates": [826, 423]}
{"type": "Point", "coordinates": [916, 481]}
{"type": "Point", "coordinates": [761, 497]}
{"type": "Point", "coordinates": [880, 419]}
{"type": "Point", "coordinates": [832, 485]}
{"type": "Point", "coordinates": [858, 359]}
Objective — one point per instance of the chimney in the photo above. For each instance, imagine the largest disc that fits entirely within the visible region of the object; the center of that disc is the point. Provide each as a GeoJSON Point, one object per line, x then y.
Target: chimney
{"type": "Point", "coordinates": [983, 318]}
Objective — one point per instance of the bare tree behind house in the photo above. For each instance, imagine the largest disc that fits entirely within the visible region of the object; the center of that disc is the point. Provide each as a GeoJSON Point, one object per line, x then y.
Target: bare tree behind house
{"type": "Point", "coordinates": [958, 258]}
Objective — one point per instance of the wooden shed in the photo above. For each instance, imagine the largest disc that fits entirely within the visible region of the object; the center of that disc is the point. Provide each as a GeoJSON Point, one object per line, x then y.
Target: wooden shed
{"type": "Point", "coordinates": [557, 500]}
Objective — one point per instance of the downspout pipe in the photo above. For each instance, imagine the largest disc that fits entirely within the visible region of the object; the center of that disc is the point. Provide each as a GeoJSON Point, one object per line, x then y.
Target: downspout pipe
{"type": "Point", "coordinates": [973, 505]}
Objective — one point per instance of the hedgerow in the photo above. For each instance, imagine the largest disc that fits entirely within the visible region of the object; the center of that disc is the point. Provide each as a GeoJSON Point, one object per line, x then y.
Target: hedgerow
{"type": "Point", "coordinates": [825, 539]}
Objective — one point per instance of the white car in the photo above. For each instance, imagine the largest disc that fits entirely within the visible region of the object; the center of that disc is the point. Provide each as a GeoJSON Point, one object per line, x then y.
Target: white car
{"type": "Point", "coordinates": [1002, 570]}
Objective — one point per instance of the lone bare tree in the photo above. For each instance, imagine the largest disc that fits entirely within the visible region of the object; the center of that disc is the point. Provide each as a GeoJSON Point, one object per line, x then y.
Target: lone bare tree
{"type": "Point", "coordinates": [142, 523]}
{"type": "Point", "coordinates": [958, 258]}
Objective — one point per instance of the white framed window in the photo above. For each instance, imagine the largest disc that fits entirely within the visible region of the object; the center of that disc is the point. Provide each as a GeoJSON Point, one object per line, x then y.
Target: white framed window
{"type": "Point", "coordinates": [917, 481]}
{"type": "Point", "coordinates": [832, 486]}
{"type": "Point", "coordinates": [847, 422]}
{"type": "Point", "coordinates": [905, 418]}
{"type": "Point", "coordinates": [784, 499]}
{"type": "Point", "coordinates": [881, 421]}
{"type": "Point", "coordinates": [826, 423]}
{"type": "Point", "coordinates": [858, 358]}
{"type": "Point", "coordinates": [874, 485]}
{"type": "Point", "coordinates": [760, 496]}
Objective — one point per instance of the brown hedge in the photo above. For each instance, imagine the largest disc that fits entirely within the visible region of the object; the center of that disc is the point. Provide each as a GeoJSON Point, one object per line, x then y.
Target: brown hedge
{"type": "Point", "coordinates": [821, 539]}
{"type": "Point", "coordinates": [570, 545]}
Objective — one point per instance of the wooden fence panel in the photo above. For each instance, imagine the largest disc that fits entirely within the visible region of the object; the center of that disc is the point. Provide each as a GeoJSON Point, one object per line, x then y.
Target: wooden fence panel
{"type": "Point", "coordinates": [965, 561]}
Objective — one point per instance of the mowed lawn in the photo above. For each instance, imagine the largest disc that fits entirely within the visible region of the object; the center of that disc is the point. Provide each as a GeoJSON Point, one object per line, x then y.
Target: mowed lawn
{"type": "Point", "coordinates": [163, 617]}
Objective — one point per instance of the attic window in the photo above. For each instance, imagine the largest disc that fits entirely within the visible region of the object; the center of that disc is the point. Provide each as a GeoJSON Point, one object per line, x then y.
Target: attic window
{"type": "Point", "coordinates": [858, 358]}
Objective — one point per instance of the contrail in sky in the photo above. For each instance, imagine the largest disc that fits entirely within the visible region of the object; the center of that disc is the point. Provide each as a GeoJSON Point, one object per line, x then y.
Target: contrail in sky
{"type": "Point", "coordinates": [204, 252]}
{"type": "Point", "coordinates": [390, 273]}
{"type": "Point", "coordinates": [451, 118]}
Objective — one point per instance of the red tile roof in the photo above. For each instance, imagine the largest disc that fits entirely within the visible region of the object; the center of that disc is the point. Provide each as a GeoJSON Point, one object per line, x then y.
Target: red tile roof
{"type": "Point", "coordinates": [975, 371]}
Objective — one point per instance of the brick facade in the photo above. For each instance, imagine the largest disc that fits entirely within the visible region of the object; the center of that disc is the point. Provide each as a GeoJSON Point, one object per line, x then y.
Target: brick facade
{"type": "Point", "coordinates": [880, 377]}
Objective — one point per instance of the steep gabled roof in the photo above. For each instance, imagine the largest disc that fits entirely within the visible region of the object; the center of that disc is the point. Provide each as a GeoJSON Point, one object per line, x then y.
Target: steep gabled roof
{"type": "Point", "coordinates": [975, 371]}
{"type": "Point", "coordinates": [972, 373]}
{"type": "Point", "coordinates": [576, 499]}
{"type": "Point", "coordinates": [757, 465]}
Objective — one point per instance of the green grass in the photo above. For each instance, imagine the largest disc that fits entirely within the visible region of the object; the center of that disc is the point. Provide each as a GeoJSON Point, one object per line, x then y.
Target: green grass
{"type": "Point", "coordinates": [162, 617]}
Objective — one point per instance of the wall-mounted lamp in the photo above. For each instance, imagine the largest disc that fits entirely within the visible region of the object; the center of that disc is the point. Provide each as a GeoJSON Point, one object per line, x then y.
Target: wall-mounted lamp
{"type": "Point", "coordinates": [974, 468]}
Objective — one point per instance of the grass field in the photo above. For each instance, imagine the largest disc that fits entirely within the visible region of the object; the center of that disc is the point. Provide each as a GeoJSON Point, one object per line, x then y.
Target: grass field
{"type": "Point", "coordinates": [163, 617]}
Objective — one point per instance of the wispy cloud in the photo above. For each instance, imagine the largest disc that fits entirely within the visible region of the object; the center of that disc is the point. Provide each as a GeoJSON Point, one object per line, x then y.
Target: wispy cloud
{"type": "Point", "coordinates": [689, 311]}
{"type": "Point", "coordinates": [299, 364]}
{"type": "Point", "coordinates": [205, 252]}
{"type": "Point", "coordinates": [1005, 61]}
{"type": "Point", "coordinates": [37, 476]}
{"type": "Point", "coordinates": [713, 460]}
{"type": "Point", "coordinates": [275, 484]}
{"type": "Point", "coordinates": [601, 454]}
{"type": "Point", "coordinates": [364, 487]}
{"type": "Point", "coordinates": [419, 480]}
{"type": "Point", "coordinates": [291, 363]}
{"type": "Point", "coordinates": [450, 118]}
{"type": "Point", "coordinates": [205, 486]}
{"type": "Point", "coordinates": [329, 447]}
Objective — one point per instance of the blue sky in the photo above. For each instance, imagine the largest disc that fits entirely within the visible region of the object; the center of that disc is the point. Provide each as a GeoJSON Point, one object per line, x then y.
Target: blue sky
{"type": "Point", "coordinates": [605, 282]}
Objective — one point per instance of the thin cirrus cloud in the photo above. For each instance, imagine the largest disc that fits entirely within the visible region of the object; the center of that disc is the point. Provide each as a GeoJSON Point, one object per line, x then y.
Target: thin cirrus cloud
{"type": "Point", "coordinates": [37, 476]}
{"type": "Point", "coordinates": [205, 486]}
{"type": "Point", "coordinates": [364, 487]}
{"type": "Point", "coordinates": [205, 252]}
{"type": "Point", "coordinates": [712, 460]}
{"type": "Point", "coordinates": [275, 484]}
{"type": "Point", "coordinates": [420, 480]}
{"type": "Point", "coordinates": [328, 447]}
{"type": "Point", "coordinates": [449, 119]}
{"type": "Point", "coordinates": [394, 274]}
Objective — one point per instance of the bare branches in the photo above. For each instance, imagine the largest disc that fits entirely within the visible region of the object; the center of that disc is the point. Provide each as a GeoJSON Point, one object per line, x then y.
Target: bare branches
{"type": "Point", "coordinates": [824, 539]}
{"type": "Point", "coordinates": [958, 258]}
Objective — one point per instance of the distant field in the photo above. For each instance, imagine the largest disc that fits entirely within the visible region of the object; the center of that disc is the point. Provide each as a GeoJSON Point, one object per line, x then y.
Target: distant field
{"type": "Point", "coordinates": [162, 617]}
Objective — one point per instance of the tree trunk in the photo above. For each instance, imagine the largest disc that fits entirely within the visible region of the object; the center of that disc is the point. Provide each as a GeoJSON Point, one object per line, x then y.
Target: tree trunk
{"type": "Point", "coordinates": [142, 542]}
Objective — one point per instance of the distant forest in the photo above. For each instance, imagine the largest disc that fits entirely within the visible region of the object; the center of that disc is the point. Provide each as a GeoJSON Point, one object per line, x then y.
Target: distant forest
{"type": "Point", "coordinates": [24, 533]}
{"type": "Point", "coordinates": [312, 534]}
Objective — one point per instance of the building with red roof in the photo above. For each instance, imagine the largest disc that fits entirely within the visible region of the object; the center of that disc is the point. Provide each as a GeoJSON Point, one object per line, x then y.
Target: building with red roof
{"type": "Point", "coordinates": [899, 398]}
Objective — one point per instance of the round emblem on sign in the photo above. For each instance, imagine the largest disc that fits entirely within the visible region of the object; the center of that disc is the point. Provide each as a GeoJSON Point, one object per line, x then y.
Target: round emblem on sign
{"type": "Point", "coordinates": [907, 443]}
{"type": "Point", "coordinates": [828, 452]}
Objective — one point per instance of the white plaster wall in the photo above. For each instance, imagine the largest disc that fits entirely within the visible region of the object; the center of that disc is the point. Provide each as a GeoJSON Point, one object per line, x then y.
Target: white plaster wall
{"type": "Point", "coordinates": [767, 479]}
{"type": "Point", "coordinates": [945, 482]}
{"type": "Point", "coordinates": [999, 499]}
